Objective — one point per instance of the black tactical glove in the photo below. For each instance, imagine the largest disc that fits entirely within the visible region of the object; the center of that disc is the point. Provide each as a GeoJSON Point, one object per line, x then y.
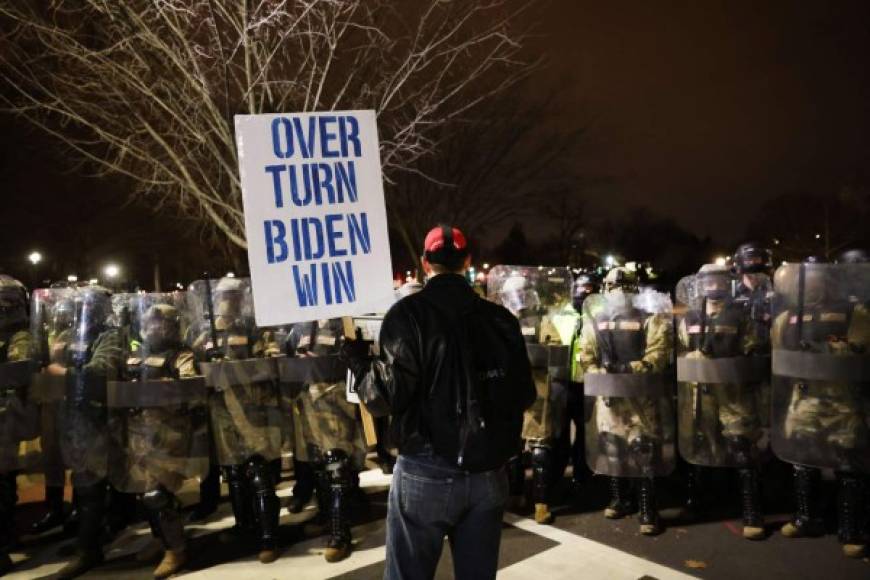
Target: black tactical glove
{"type": "Point", "coordinates": [356, 353]}
{"type": "Point", "coordinates": [619, 368]}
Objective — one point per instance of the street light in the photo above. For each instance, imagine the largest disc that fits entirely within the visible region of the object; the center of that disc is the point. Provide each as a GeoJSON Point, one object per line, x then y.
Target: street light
{"type": "Point", "coordinates": [72, 278]}
{"type": "Point", "coordinates": [609, 261]}
{"type": "Point", "coordinates": [721, 260]}
{"type": "Point", "coordinates": [111, 271]}
{"type": "Point", "coordinates": [231, 275]}
{"type": "Point", "coordinates": [35, 258]}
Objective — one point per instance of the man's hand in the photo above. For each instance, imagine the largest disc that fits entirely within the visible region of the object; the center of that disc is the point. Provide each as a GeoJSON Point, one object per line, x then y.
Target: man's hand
{"type": "Point", "coordinates": [356, 353]}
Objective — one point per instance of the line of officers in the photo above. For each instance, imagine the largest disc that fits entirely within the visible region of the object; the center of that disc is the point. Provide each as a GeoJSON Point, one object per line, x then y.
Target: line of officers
{"type": "Point", "coordinates": [135, 394]}
{"type": "Point", "coordinates": [747, 365]}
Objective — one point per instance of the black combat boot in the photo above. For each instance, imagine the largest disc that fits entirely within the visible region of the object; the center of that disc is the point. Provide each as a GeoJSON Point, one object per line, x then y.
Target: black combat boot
{"type": "Point", "coordinates": [265, 506]}
{"type": "Point", "coordinates": [517, 482]}
{"type": "Point", "coordinates": [89, 553]}
{"type": "Point", "coordinates": [209, 495]}
{"type": "Point", "coordinates": [807, 521]}
{"type": "Point", "coordinates": [8, 499]}
{"type": "Point", "coordinates": [620, 499]}
{"type": "Point", "coordinates": [650, 524]}
{"type": "Point", "coordinates": [240, 501]}
{"type": "Point", "coordinates": [753, 516]}
{"type": "Point", "coordinates": [338, 468]}
{"type": "Point", "coordinates": [693, 507]}
{"type": "Point", "coordinates": [55, 516]}
{"type": "Point", "coordinates": [541, 476]}
{"type": "Point", "coordinates": [851, 515]}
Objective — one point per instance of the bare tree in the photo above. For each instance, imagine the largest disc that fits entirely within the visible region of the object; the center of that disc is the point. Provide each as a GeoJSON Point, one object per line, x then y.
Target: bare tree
{"type": "Point", "coordinates": [487, 170]}
{"type": "Point", "coordinates": [147, 88]}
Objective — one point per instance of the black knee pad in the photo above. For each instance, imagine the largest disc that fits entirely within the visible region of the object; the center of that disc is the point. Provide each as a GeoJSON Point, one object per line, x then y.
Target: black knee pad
{"type": "Point", "coordinates": [338, 466]}
{"type": "Point", "coordinates": [159, 500]}
{"type": "Point", "coordinates": [260, 474]}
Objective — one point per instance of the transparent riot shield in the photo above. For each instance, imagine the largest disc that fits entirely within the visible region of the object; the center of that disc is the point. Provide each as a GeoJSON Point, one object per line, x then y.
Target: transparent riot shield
{"type": "Point", "coordinates": [158, 412]}
{"type": "Point", "coordinates": [626, 347]}
{"type": "Point", "coordinates": [19, 418]}
{"type": "Point", "coordinates": [324, 418]}
{"type": "Point", "coordinates": [238, 361]}
{"type": "Point", "coordinates": [540, 298]}
{"type": "Point", "coordinates": [821, 366]}
{"type": "Point", "coordinates": [92, 359]}
{"type": "Point", "coordinates": [52, 315]}
{"type": "Point", "coordinates": [723, 368]}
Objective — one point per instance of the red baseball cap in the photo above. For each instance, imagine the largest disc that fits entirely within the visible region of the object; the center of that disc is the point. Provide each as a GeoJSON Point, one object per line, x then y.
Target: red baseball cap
{"type": "Point", "coordinates": [444, 243]}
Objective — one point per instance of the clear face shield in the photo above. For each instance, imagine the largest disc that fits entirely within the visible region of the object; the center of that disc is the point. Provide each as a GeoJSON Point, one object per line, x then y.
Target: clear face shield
{"type": "Point", "coordinates": [160, 332]}
{"type": "Point", "coordinates": [520, 299]}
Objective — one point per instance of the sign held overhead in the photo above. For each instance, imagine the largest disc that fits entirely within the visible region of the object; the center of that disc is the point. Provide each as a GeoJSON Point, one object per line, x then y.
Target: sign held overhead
{"type": "Point", "coordinates": [315, 215]}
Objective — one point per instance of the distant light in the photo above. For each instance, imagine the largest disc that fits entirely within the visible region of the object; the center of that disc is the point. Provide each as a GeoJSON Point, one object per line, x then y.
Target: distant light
{"type": "Point", "coordinates": [540, 268]}
{"type": "Point", "coordinates": [818, 236]}
{"type": "Point", "coordinates": [481, 277]}
{"type": "Point", "coordinates": [721, 260]}
{"type": "Point", "coordinates": [784, 262]}
{"type": "Point", "coordinates": [407, 272]}
{"type": "Point", "coordinates": [35, 258]}
{"type": "Point", "coordinates": [775, 241]}
{"type": "Point", "coordinates": [179, 286]}
{"type": "Point", "coordinates": [93, 281]}
{"type": "Point", "coordinates": [486, 265]}
{"type": "Point", "coordinates": [72, 278]}
{"type": "Point", "coordinates": [230, 275]}
{"type": "Point", "coordinates": [609, 261]}
{"type": "Point", "coordinates": [111, 271]}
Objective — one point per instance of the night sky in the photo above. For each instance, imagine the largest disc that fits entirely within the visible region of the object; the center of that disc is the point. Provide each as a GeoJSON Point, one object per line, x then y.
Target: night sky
{"type": "Point", "coordinates": [695, 109]}
{"type": "Point", "coordinates": [699, 109]}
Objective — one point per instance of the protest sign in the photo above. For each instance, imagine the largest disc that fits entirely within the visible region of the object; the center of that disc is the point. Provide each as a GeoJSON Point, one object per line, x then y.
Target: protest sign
{"type": "Point", "coordinates": [315, 216]}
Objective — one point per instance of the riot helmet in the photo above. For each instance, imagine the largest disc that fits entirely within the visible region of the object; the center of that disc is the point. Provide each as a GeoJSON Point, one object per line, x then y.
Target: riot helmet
{"type": "Point", "coordinates": [752, 258]}
{"type": "Point", "coordinates": [13, 303]}
{"type": "Point", "coordinates": [161, 327]}
{"type": "Point", "coordinates": [584, 285]}
{"type": "Point", "coordinates": [854, 256]}
{"type": "Point", "coordinates": [517, 294]}
{"type": "Point", "coordinates": [620, 285]}
{"type": "Point", "coordinates": [229, 298]}
{"type": "Point", "coordinates": [714, 282]}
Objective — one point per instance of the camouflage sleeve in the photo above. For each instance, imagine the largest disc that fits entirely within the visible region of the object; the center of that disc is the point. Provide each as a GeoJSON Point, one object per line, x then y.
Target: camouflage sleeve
{"type": "Point", "coordinates": [751, 341]}
{"type": "Point", "coordinates": [270, 344]}
{"type": "Point", "coordinates": [185, 364]}
{"type": "Point", "coordinates": [587, 355]}
{"type": "Point", "coordinates": [20, 346]}
{"type": "Point", "coordinates": [859, 330]}
{"type": "Point", "coordinates": [777, 330]}
{"type": "Point", "coordinates": [659, 346]}
{"type": "Point", "coordinates": [106, 360]}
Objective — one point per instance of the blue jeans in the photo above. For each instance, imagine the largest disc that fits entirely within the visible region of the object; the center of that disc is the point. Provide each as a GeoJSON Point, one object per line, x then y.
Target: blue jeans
{"type": "Point", "coordinates": [430, 499]}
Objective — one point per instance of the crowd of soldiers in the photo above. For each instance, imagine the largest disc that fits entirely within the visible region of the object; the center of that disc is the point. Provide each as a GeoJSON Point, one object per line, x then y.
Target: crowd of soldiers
{"type": "Point", "coordinates": [136, 394]}
{"type": "Point", "coordinates": [745, 366]}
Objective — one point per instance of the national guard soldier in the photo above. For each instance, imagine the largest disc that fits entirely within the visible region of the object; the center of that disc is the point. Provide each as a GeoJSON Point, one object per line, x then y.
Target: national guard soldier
{"type": "Point", "coordinates": [821, 399]}
{"type": "Point", "coordinates": [753, 289]}
{"type": "Point", "coordinates": [540, 298]}
{"type": "Point", "coordinates": [92, 358]}
{"type": "Point", "coordinates": [584, 286]}
{"type": "Point", "coordinates": [158, 419]}
{"type": "Point", "coordinates": [51, 322]}
{"type": "Point", "coordinates": [625, 349]}
{"type": "Point", "coordinates": [722, 368]}
{"type": "Point", "coordinates": [243, 404]}
{"type": "Point", "coordinates": [328, 435]}
{"type": "Point", "coordinates": [19, 419]}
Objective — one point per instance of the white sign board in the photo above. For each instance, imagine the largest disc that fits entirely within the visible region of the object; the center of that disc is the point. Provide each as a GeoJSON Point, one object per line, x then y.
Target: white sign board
{"type": "Point", "coordinates": [315, 216]}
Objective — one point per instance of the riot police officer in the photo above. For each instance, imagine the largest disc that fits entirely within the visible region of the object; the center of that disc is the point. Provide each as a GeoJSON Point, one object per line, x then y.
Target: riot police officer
{"type": "Point", "coordinates": [243, 405]}
{"type": "Point", "coordinates": [540, 299]}
{"type": "Point", "coordinates": [92, 358]}
{"type": "Point", "coordinates": [584, 286]}
{"type": "Point", "coordinates": [722, 369]}
{"type": "Point", "coordinates": [18, 415]}
{"type": "Point", "coordinates": [625, 349]}
{"type": "Point", "coordinates": [820, 339]}
{"type": "Point", "coordinates": [328, 439]}
{"type": "Point", "coordinates": [158, 415]}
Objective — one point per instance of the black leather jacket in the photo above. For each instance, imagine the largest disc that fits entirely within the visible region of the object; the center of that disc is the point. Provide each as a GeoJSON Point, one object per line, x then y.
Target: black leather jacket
{"type": "Point", "coordinates": [424, 364]}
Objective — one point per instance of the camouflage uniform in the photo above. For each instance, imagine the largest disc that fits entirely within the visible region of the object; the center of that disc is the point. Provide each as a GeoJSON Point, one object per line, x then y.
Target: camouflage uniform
{"type": "Point", "coordinates": [626, 334]}
{"type": "Point", "coordinates": [821, 407]}
{"type": "Point", "coordinates": [329, 444]}
{"type": "Point", "coordinates": [244, 407]}
{"type": "Point", "coordinates": [93, 358]}
{"type": "Point", "coordinates": [18, 418]}
{"type": "Point", "coordinates": [540, 299]}
{"type": "Point", "coordinates": [723, 367]}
